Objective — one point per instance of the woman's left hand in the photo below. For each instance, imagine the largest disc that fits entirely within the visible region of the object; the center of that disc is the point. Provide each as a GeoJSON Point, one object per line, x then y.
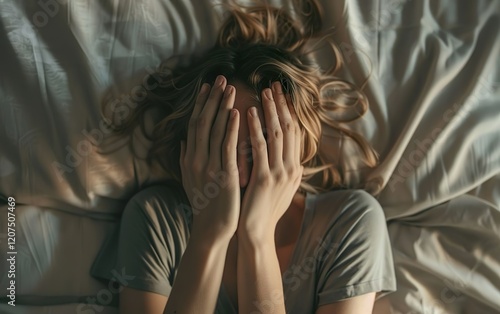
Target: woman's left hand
{"type": "Point", "coordinates": [277, 170]}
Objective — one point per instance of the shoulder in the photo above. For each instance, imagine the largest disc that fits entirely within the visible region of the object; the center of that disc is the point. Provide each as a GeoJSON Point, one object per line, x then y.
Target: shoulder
{"type": "Point", "coordinates": [159, 200]}
{"type": "Point", "coordinates": [349, 208]}
{"type": "Point", "coordinates": [349, 197]}
{"type": "Point", "coordinates": [165, 192]}
{"type": "Point", "coordinates": [153, 235]}
{"type": "Point", "coordinates": [353, 253]}
{"type": "Point", "coordinates": [342, 200]}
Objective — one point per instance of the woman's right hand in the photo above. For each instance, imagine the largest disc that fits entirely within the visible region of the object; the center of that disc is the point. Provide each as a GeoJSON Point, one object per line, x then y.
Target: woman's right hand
{"type": "Point", "coordinates": [208, 162]}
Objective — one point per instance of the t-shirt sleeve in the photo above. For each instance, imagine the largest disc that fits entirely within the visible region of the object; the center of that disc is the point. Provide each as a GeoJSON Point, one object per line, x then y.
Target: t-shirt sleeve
{"type": "Point", "coordinates": [153, 236]}
{"type": "Point", "coordinates": [359, 257]}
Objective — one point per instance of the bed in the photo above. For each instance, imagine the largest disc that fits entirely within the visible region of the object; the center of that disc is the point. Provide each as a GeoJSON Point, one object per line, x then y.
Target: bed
{"type": "Point", "coordinates": [434, 89]}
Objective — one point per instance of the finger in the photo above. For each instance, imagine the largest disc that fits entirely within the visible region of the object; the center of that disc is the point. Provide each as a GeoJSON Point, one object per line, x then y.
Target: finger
{"type": "Point", "coordinates": [218, 131]}
{"type": "Point", "coordinates": [273, 127]}
{"type": "Point", "coordinates": [206, 117]}
{"type": "Point", "coordinates": [199, 103]}
{"type": "Point", "coordinates": [229, 155]}
{"type": "Point", "coordinates": [297, 132]}
{"type": "Point", "coordinates": [259, 145]}
{"type": "Point", "coordinates": [201, 99]}
{"type": "Point", "coordinates": [286, 123]}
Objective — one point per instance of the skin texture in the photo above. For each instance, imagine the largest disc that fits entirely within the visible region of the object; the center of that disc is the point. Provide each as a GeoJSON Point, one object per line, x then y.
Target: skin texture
{"type": "Point", "coordinates": [223, 122]}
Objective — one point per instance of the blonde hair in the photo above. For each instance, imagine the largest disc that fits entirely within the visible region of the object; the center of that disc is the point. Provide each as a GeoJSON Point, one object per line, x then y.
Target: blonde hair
{"type": "Point", "coordinates": [257, 46]}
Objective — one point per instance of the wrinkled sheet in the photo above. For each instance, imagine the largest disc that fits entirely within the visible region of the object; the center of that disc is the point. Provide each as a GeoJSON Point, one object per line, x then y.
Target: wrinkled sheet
{"type": "Point", "coordinates": [434, 88]}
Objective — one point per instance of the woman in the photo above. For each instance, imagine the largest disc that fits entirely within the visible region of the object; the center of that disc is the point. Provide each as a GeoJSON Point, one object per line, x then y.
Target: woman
{"type": "Point", "coordinates": [245, 226]}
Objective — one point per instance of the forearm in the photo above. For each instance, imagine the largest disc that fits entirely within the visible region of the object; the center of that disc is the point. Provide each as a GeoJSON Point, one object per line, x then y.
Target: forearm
{"type": "Point", "coordinates": [199, 276]}
{"type": "Point", "coordinates": [260, 285]}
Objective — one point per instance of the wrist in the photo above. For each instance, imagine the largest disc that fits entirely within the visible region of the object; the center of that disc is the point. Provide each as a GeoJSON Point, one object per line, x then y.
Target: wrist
{"type": "Point", "coordinates": [255, 238]}
{"type": "Point", "coordinates": [209, 240]}
{"type": "Point", "coordinates": [256, 229]}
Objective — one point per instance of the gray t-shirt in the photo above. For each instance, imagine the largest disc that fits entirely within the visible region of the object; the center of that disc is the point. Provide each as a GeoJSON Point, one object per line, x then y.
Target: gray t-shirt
{"type": "Point", "coordinates": [343, 249]}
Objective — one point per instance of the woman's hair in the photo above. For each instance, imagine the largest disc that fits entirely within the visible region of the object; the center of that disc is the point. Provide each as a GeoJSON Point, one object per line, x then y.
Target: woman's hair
{"type": "Point", "coordinates": [257, 46]}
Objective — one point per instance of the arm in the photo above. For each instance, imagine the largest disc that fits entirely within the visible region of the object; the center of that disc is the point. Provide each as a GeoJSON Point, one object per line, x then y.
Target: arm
{"type": "Point", "coordinates": [199, 277]}
{"type": "Point", "coordinates": [276, 175]}
{"type": "Point", "coordinates": [215, 216]}
{"type": "Point", "coordinates": [260, 285]}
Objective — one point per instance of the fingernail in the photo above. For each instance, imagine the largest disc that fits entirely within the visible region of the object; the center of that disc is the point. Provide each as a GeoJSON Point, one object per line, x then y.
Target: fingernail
{"type": "Point", "coordinates": [233, 113]}
{"type": "Point", "coordinates": [253, 112]}
{"type": "Point", "coordinates": [268, 93]}
{"type": "Point", "coordinates": [204, 88]}
{"type": "Point", "coordinates": [229, 90]}
{"type": "Point", "coordinates": [277, 87]}
{"type": "Point", "coordinates": [220, 80]}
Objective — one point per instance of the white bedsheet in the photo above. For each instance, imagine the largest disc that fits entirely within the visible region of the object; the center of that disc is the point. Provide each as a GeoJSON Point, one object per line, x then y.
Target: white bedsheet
{"type": "Point", "coordinates": [434, 119]}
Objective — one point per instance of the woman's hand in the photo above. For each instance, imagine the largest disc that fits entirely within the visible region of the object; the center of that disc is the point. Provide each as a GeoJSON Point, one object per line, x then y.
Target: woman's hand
{"type": "Point", "coordinates": [208, 162]}
{"type": "Point", "coordinates": [276, 172]}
